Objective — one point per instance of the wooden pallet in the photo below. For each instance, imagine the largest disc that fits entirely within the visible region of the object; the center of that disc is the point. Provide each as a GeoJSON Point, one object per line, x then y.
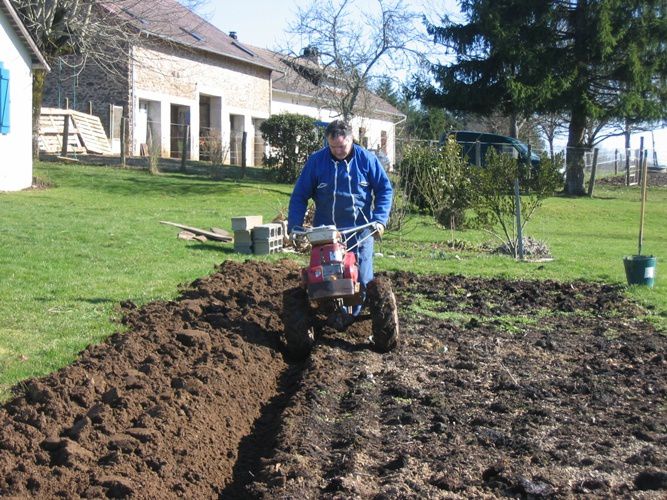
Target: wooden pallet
{"type": "Point", "coordinates": [85, 134]}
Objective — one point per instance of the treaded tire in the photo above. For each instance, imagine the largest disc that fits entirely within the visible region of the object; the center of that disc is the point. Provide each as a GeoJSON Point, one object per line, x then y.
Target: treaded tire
{"type": "Point", "coordinates": [297, 323]}
{"type": "Point", "coordinates": [384, 314]}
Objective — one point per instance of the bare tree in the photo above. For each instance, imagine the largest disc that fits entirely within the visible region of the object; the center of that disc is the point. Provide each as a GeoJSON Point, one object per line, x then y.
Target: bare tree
{"type": "Point", "coordinates": [345, 47]}
{"type": "Point", "coordinates": [79, 32]}
{"type": "Point", "coordinates": [551, 124]}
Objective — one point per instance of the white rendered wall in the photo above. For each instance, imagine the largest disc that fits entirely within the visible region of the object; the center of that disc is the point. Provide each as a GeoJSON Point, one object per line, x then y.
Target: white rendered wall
{"type": "Point", "coordinates": [16, 146]}
{"type": "Point", "coordinates": [374, 127]}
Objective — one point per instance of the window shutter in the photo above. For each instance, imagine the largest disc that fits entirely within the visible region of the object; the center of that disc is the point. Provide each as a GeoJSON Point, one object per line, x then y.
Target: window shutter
{"type": "Point", "coordinates": [4, 100]}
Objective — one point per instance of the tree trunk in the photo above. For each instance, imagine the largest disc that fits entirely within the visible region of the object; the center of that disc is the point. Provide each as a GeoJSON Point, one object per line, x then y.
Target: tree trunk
{"type": "Point", "coordinates": [514, 125]}
{"type": "Point", "coordinates": [574, 177]}
{"type": "Point", "coordinates": [38, 77]}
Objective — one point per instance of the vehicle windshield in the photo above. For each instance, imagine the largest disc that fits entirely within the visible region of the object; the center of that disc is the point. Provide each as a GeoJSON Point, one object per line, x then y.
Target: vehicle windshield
{"type": "Point", "coordinates": [523, 149]}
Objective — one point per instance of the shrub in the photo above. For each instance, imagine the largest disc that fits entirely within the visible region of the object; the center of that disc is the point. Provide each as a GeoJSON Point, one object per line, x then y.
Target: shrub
{"type": "Point", "coordinates": [438, 181]}
{"type": "Point", "coordinates": [292, 137]}
{"type": "Point", "coordinates": [495, 200]}
{"type": "Point", "coordinates": [401, 206]}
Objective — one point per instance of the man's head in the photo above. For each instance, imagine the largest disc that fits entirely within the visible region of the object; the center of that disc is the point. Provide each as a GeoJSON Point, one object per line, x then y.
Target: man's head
{"type": "Point", "coordinates": [339, 137]}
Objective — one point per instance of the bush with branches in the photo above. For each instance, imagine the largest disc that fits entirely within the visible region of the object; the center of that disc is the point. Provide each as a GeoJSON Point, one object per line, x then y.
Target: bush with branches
{"type": "Point", "coordinates": [495, 199]}
{"type": "Point", "coordinates": [438, 181]}
{"type": "Point", "coordinates": [292, 138]}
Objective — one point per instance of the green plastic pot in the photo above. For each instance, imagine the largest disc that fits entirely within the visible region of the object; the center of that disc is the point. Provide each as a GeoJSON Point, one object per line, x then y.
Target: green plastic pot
{"type": "Point", "coordinates": [640, 269]}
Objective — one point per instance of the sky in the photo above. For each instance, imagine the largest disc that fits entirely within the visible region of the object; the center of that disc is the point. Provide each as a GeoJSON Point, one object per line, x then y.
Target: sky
{"type": "Point", "coordinates": [257, 22]}
{"type": "Point", "coordinates": [264, 23]}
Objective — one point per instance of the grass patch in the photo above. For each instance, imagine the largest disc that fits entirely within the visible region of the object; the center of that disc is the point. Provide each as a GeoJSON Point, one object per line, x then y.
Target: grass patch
{"type": "Point", "coordinates": [72, 252]}
{"type": "Point", "coordinates": [508, 323]}
{"type": "Point", "coordinates": [426, 308]}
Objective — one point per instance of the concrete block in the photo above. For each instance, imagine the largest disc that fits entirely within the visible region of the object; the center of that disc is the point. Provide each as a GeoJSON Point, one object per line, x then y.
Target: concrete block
{"type": "Point", "coordinates": [268, 231]}
{"type": "Point", "coordinates": [243, 236]}
{"type": "Point", "coordinates": [275, 241]}
{"type": "Point", "coordinates": [243, 248]}
{"type": "Point", "coordinates": [267, 247]}
{"type": "Point", "coordinates": [246, 223]}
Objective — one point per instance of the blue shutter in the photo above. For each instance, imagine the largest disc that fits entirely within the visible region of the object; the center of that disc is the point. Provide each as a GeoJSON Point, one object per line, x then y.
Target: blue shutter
{"type": "Point", "coordinates": [4, 100]}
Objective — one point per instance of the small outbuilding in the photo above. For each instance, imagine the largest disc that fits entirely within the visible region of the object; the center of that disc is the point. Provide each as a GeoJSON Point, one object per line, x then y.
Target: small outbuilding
{"type": "Point", "coordinates": [19, 56]}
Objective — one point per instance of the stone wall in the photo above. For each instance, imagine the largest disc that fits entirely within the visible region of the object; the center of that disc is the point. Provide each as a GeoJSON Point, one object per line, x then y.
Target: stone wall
{"type": "Point", "coordinates": [67, 85]}
{"type": "Point", "coordinates": [178, 72]}
{"type": "Point", "coordinates": [167, 72]}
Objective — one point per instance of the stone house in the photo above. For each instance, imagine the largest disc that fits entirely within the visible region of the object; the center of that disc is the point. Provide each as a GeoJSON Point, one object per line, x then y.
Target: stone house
{"type": "Point", "coordinates": [183, 78]}
{"type": "Point", "coordinates": [186, 77]}
{"type": "Point", "coordinates": [19, 56]}
{"type": "Point", "coordinates": [304, 87]}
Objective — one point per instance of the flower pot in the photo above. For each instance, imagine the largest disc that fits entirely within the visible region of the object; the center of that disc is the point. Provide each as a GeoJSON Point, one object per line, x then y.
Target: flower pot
{"type": "Point", "coordinates": [640, 269]}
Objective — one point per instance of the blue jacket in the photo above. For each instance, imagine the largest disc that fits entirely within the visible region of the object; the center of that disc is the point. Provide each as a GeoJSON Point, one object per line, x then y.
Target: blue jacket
{"type": "Point", "coordinates": [346, 194]}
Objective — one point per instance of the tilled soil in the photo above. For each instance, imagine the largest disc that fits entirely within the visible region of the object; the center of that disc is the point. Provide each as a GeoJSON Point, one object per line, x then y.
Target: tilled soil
{"type": "Point", "coordinates": [498, 388]}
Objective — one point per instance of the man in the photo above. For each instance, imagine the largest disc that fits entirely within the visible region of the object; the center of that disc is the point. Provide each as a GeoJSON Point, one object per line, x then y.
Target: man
{"type": "Point", "coordinates": [350, 188]}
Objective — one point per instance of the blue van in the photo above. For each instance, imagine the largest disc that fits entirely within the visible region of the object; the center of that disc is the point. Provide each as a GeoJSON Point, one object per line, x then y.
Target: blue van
{"type": "Point", "coordinates": [475, 145]}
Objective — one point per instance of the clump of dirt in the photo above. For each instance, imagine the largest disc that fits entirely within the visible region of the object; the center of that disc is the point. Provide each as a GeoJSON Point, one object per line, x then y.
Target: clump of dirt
{"type": "Point", "coordinates": [656, 178]}
{"type": "Point", "coordinates": [499, 388]}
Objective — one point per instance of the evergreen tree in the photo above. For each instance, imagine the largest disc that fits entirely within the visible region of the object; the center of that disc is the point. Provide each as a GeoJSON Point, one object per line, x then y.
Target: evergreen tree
{"type": "Point", "coordinates": [597, 60]}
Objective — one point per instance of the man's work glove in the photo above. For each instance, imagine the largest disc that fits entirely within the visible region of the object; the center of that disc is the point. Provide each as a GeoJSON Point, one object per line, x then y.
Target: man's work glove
{"type": "Point", "coordinates": [299, 241]}
{"type": "Point", "coordinates": [378, 230]}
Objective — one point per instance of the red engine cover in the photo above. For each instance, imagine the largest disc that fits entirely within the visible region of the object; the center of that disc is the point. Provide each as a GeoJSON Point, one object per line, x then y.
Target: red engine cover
{"type": "Point", "coordinates": [350, 269]}
{"type": "Point", "coordinates": [330, 261]}
{"type": "Point", "coordinates": [331, 253]}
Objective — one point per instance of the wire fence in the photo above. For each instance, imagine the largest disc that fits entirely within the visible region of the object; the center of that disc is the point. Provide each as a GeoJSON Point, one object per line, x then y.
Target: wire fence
{"type": "Point", "coordinates": [214, 145]}
{"type": "Point", "coordinates": [595, 161]}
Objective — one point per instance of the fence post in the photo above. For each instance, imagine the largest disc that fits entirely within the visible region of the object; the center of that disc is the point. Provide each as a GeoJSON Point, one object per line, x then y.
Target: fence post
{"type": "Point", "coordinates": [627, 166]}
{"type": "Point", "coordinates": [184, 151]}
{"type": "Point", "coordinates": [529, 164]}
{"type": "Point", "coordinates": [63, 152]}
{"type": "Point", "coordinates": [616, 161]}
{"type": "Point", "coordinates": [519, 230]}
{"type": "Point", "coordinates": [123, 153]}
{"type": "Point", "coordinates": [594, 167]}
{"type": "Point", "coordinates": [244, 160]}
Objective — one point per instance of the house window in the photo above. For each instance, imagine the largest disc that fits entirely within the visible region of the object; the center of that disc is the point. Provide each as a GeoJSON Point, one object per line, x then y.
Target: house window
{"type": "Point", "coordinates": [4, 100]}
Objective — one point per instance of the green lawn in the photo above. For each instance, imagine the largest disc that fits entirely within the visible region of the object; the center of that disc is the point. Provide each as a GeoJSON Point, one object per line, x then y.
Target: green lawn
{"type": "Point", "coordinates": [70, 253]}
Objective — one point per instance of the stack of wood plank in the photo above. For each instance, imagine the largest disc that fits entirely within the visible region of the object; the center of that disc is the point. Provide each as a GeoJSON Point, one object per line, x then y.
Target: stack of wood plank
{"type": "Point", "coordinates": [85, 133]}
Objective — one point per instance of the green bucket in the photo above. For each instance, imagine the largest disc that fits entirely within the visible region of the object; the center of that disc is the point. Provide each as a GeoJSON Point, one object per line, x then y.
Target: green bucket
{"type": "Point", "coordinates": [640, 270]}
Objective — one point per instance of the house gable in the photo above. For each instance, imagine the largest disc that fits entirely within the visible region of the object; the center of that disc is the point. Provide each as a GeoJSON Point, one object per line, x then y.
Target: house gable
{"type": "Point", "coordinates": [38, 60]}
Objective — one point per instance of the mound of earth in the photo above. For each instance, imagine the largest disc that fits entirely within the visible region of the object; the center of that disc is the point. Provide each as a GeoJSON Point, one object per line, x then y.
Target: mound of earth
{"type": "Point", "coordinates": [655, 178]}
{"type": "Point", "coordinates": [499, 388]}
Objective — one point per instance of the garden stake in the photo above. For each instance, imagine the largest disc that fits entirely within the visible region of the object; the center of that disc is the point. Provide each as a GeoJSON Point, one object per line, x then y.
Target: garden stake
{"type": "Point", "coordinates": [643, 200]}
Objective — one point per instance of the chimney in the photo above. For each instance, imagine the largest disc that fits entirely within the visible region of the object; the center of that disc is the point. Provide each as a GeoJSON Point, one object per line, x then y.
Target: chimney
{"type": "Point", "coordinates": [233, 35]}
{"type": "Point", "coordinates": [312, 54]}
